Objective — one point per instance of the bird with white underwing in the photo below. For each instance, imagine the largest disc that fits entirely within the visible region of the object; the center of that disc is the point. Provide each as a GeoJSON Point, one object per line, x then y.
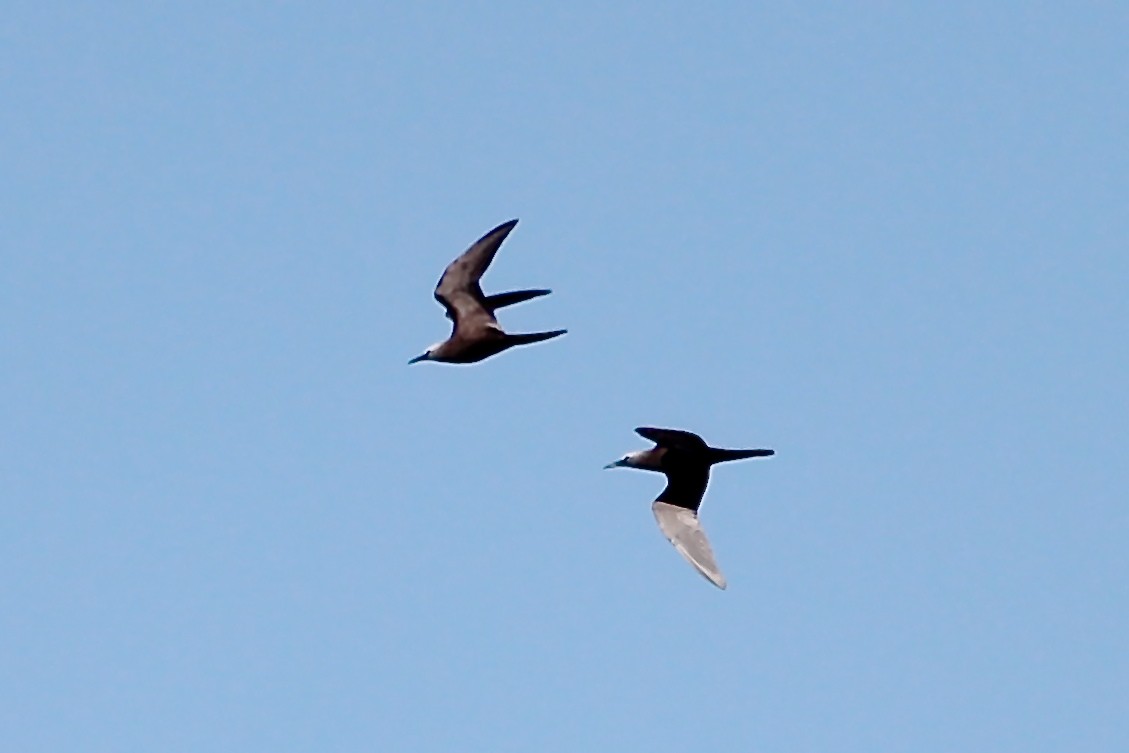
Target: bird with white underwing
{"type": "Point", "coordinates": [685, 459]}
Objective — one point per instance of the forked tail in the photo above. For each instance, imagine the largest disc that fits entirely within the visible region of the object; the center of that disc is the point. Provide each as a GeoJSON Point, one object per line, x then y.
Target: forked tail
{"type": "Point", "coordinates": [721, 456]}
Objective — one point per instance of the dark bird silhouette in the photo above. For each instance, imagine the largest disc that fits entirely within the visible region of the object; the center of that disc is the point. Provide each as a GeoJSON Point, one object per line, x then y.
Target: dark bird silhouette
{"type": "Point", "coordinates": [476, 334]}
{"type": "Point", "coordinates": [685, 460]}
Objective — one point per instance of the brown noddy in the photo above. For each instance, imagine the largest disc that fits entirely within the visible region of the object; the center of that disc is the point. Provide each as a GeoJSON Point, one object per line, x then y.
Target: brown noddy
{"type": "Point", "coordinates": [476, 334]}
{"type": "Point", "coordinates": [685, 459]}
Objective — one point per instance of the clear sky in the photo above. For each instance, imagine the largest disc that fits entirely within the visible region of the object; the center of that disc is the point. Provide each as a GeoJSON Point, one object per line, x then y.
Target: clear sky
{"type": "Point", "coordinates": [890, 242]}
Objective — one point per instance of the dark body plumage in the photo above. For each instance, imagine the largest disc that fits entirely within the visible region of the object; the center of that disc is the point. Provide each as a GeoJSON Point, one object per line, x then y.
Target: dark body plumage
{"type": "Point", "coordinates": [475, 333]}
{"type": "Point", "coordinates": [685, 459]}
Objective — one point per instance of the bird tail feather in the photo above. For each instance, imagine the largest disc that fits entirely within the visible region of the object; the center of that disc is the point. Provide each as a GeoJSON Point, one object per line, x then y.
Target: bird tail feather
{"type": "Point", "coordinates": [721, 456]}
{"type": "Point", "coordinates": [533, 337]}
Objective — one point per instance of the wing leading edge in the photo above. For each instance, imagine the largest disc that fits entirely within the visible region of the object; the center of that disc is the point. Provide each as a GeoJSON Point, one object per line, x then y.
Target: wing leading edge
{"type": "Point", "coordinates": [682, 528]}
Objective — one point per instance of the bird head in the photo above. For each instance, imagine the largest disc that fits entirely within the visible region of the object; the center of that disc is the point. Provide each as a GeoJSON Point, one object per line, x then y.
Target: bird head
{"type": "Point", "coordinates": [427, 355]}
{"type": "Point", "coordinates": [629, 460]}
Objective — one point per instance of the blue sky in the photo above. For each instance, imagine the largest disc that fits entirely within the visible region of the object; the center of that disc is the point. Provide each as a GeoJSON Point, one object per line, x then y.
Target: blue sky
{"type": "Point", "coordinates": [889, 242]}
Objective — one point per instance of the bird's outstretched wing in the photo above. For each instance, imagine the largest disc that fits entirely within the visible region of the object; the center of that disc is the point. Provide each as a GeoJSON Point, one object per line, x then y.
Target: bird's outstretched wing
{"type": "Point", "coordinates": [676, 438]}
{"type": "Point", "coordinates": [458, 289]}
{"type": "Point", "coordinates": [685, 483]}
{"type": "Point", "coordinates": [682, 528]}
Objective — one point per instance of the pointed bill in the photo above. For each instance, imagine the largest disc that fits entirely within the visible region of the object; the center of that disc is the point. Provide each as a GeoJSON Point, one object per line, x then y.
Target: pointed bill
{"type": "Point", "coordinates": [681, 528]}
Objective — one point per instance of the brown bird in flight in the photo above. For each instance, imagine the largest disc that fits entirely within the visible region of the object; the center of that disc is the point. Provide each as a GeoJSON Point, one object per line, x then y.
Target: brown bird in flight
{"type": "Point", "coordinates": [685, 459]}
{"type": "Point", "coordinates": [475, 333]}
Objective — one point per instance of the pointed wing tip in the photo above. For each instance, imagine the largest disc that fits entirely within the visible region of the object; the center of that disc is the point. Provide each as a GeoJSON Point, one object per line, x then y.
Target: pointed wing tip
{"type": "Point", "coordinates": [463, 273]}
{"type": "Point", "coordinates": [682, 529]}
{"type": "Point", "coordinates": [502, 230]}
{"type": "Point", "coordinates": [714, 577]}
{"type": "Point", "coordinates": [671, 437]}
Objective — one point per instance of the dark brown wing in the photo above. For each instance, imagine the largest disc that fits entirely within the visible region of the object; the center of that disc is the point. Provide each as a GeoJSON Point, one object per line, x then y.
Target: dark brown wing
{"type": "Point", "coordinates": [676, 438]}
{"type": "Point", "coordinates": [469, 318]}
{"type": "Point", "coordinates": [460, 278]}
{"type": "Point", "coordinates": [685, 485]}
